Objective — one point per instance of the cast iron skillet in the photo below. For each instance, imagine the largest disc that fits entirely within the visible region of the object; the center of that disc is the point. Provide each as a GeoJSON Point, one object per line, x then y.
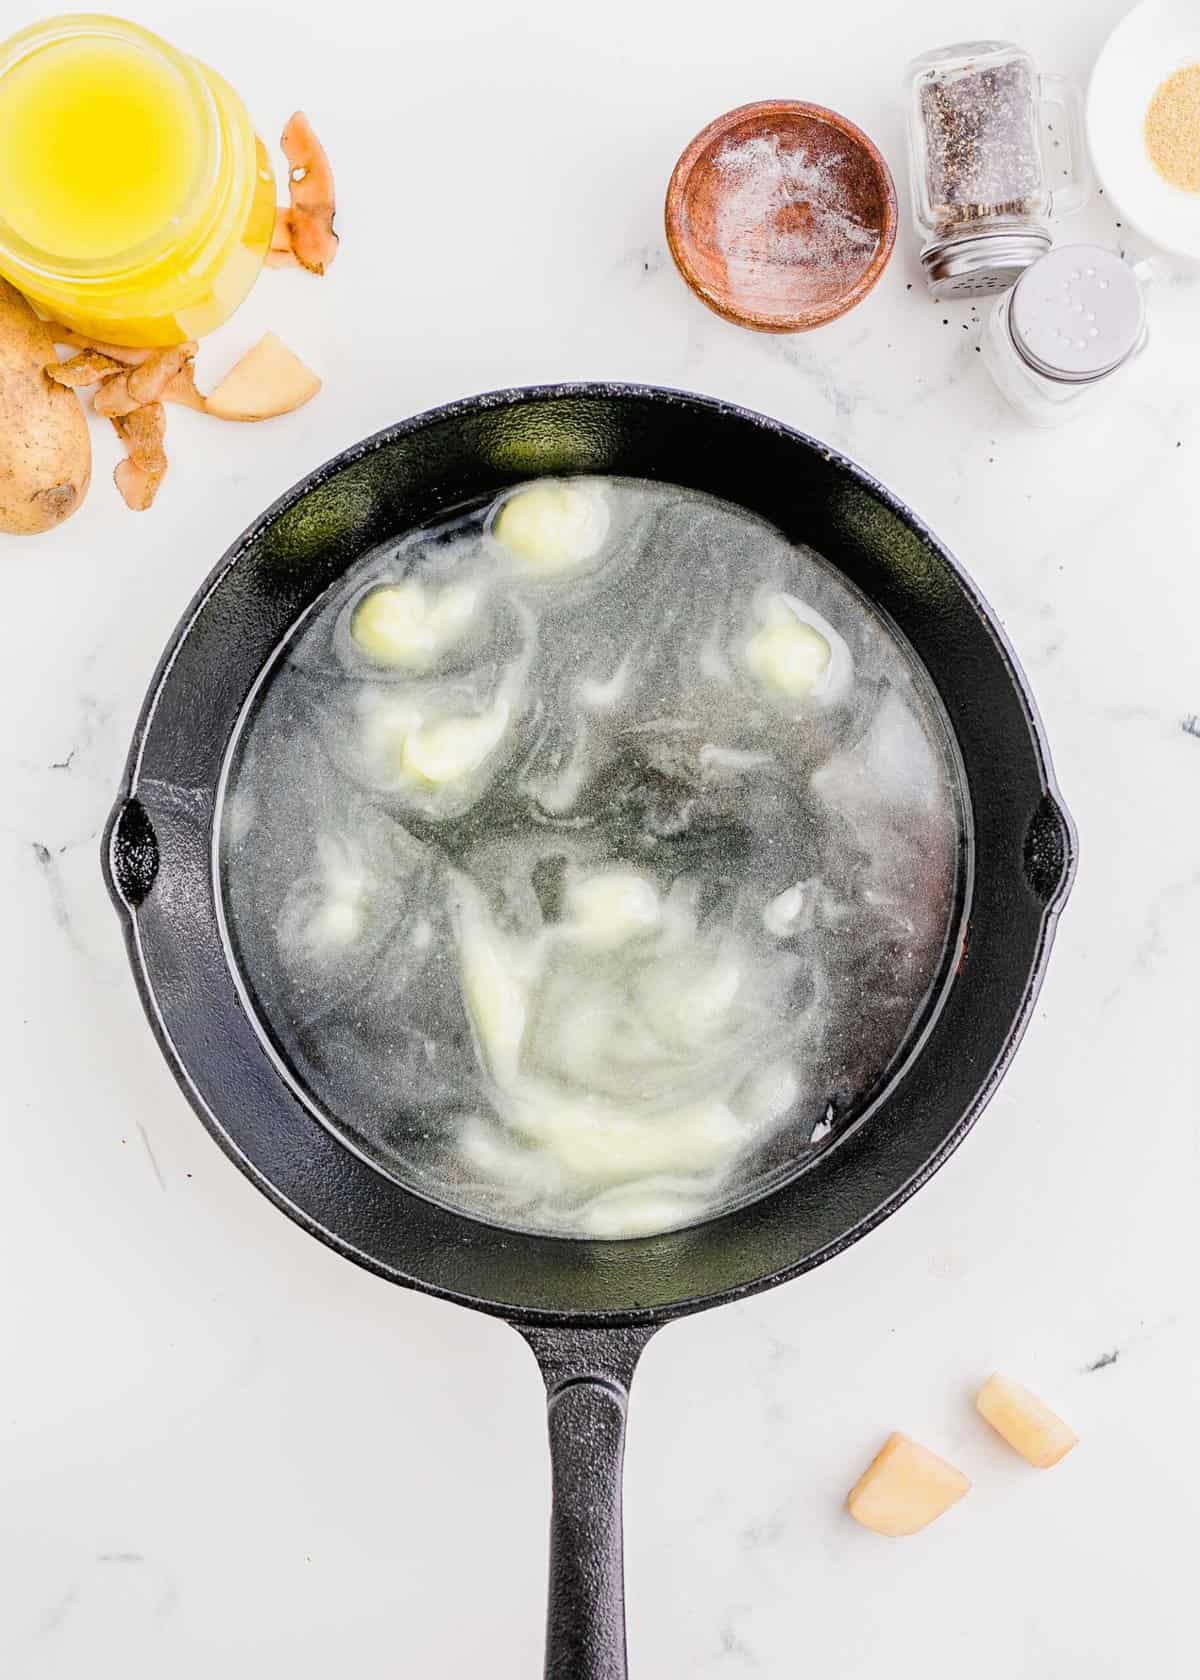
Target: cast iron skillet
{"type": "Point", "coordinates": [586, 1308]}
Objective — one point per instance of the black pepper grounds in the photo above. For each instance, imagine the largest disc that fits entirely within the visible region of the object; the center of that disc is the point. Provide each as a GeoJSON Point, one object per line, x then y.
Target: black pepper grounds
{"type": "Point", "coordinates": [982, 156]}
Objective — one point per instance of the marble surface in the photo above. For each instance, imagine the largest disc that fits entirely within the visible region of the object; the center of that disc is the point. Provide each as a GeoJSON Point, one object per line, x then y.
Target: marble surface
{"type": "Point", "coordinates": [223, 1449]}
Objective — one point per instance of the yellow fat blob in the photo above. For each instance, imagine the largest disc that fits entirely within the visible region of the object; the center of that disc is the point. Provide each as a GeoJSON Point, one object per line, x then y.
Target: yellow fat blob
{"type": "Point", "coordinates": [494, 993]}
{"type": "Point", "coordinates": [551, 530]}
{"type": "Point", "coordinates": [607, 909]}
{"type": "Point", "coordinates": [449, 749]}
{"type": "Point", "coordinates": [339, 921]}
{"type": "Point", "coordinates": [787, 656]}
{"type": "Point", "coordinates": [410, 627]}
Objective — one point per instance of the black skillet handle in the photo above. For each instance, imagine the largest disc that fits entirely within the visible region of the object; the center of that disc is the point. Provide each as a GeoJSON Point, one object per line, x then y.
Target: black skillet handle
{"type": "Point", "coordinates": [588, 1373]}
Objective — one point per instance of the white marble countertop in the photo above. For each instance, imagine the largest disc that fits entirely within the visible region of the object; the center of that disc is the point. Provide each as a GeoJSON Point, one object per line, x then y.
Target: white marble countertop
{"type": "Point", "coordinates": [225, 1450]}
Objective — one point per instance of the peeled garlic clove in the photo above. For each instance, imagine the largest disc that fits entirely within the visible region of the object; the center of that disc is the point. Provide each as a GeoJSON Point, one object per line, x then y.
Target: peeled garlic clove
{"type": "Point", "coordinates": [795, 654]}
{"type": "Point", "coordinates": [1026, 1423]}
{"type": "Point", "coordinates": [411, 627]}
{"type": "Point", "coordinates": [551, 530]}
{"type": "Point", "coordinates": [451, 748]}
{"type": "Point", "coordinates": [605, 910]}
{"type": "Point", "coordinates": [905, 1488]}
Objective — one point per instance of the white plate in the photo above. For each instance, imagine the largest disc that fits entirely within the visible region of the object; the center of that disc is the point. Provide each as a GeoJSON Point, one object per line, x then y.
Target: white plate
{"type": "Point", "coordinates": [1156, 39]}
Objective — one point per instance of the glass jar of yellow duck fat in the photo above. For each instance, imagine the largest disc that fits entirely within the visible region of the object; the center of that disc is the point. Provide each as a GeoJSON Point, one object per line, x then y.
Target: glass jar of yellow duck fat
{"type": "Point", "coordinates": [136, 201]}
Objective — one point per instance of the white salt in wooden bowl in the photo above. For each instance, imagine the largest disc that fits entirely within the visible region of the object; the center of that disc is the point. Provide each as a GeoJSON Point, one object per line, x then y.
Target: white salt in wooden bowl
{"type": "Point", "coordinates": [781, 215]}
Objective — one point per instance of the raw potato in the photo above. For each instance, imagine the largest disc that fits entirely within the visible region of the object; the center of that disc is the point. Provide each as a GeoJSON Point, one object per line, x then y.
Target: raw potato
{"type": "Point", "coordinates": [1026, 1423]}
{"type": "Point", "coordinates": [45, 450]}
{"type": "Point", "coordinates": [269, 380]}
{"type": "Point", "coordinates": [905, 1488]}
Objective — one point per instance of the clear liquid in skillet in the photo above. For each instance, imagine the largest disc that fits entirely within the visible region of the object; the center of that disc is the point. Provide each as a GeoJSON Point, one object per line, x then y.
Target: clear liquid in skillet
{"type": "Point", "coordinates": [590, 858]}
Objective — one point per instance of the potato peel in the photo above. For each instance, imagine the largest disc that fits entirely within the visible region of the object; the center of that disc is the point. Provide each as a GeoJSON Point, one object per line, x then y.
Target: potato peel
{"type": "Point", "coordinates": [142, 433]}
{"type": "Point", "coordinates": [137, 486]}
{"type": "Point", "coordinates": [89, 367]}
{"type": "Point", "coordinates": [118, 352]}
{"type": "Point", "coordinates": [181, 388]}
{"type": "Point", "coordinates": [147, 382]}
{"type": "Point", "coordinates": [140, 475]}
{"type": "Point", "coordinates": [308, 221]}
{"type": "Point", "coordinates": [113, 398]}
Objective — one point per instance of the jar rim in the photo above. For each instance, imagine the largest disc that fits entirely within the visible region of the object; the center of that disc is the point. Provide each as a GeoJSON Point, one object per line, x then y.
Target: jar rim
{"type": "Point", "coordinates": [969, 52]}
{"type": "Point", "coordinates": [50, 265]}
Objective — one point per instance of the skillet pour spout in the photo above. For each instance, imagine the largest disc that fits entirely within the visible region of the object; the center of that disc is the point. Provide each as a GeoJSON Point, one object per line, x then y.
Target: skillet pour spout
{"type": "Point", "coordinates": [587, 1308]}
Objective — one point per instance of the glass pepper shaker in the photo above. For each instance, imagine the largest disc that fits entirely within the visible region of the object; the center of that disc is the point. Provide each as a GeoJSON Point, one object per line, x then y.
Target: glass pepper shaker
{"type": "Point", "coordinates": [986, 176]}
{"type": "Point", "coordinates": [1074, 319]}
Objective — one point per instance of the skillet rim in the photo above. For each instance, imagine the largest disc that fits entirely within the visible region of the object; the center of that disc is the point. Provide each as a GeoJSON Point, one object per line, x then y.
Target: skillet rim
{"type": "Point", "coordinates": [896, 1197]}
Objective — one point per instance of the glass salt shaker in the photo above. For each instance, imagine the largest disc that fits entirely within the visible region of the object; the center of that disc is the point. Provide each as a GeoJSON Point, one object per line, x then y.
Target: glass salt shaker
{"type": "Point", "coordinates": [989, 166]}
{"type": "Point", "coordinates": [1072, 321]}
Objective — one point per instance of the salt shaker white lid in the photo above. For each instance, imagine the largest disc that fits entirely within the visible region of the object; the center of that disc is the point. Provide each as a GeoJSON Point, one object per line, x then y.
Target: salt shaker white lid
{"type": "Point", "coordinates": [1077, 313]}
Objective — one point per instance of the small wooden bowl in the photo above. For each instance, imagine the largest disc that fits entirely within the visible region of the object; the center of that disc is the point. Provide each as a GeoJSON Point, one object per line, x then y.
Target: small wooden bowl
{"type": "Point", "coordinates": [781, 215]}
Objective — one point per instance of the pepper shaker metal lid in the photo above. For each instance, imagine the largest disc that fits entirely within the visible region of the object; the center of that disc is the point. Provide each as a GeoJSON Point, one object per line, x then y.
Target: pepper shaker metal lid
{"type": "Point", "coordinates": [1078, 313]}
{"type": "Point", "coordinates": [987, 262]}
